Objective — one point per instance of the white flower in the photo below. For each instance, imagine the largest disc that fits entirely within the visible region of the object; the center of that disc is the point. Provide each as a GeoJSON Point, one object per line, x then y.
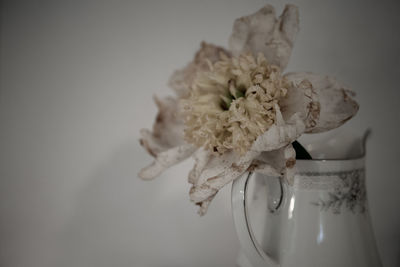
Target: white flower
{"type": "Point", "coordinates": [235, 112]}
{"type": "Point", "coordinates": [233, 103]}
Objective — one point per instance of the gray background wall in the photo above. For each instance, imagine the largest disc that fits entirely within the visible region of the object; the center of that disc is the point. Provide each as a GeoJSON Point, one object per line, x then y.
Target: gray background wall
{"type": "Point", "coordinates": [77, 79]}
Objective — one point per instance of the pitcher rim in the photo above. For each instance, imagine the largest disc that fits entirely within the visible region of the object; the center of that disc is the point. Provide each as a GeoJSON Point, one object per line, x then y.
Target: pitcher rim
{"type": "Point", "coordinates": [360, 157]}
{"type": "Point", "coordinates": [333, 159]}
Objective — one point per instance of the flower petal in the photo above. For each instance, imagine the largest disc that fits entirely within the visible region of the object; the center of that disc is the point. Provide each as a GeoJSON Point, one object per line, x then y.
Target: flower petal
{"type": "Point", "coordinates": [277, 163]}
{"type": "Point", "coordinates": [168, 127]}
{"type": "Point", "coordinates": [166, 159]}
{"type": "Point", "coordinates": [264, 168]}
{"type": "Point", "coordinates": [182, 79]}
{"type": "Point", "coordinates": [301, 98]}
{"type": "Point", "coordinates": [219, 171]}
{"type": "Point", "coordinates": [329, 106]}
{"type": "Point", "coordinates": [281, 134]}
{"type": "Point", "coordinates": [263, 32]}
{"type": "Point", "coordinates": [165, 143]}
{"type": "Point", "coordinates": [204, 205]}
{"type": "Point", "coordinates": [202, 158]}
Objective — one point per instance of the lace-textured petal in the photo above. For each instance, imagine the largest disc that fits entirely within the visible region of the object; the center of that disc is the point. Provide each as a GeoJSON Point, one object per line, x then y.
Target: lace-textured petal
{"type": "Point", "coordinates": [335, 102]}
{"type": "Point", "coordinates": [181, 80]}
{"type": "Point", "coordinates": [262, 32]}
{"type": "Point", "coordinates": [165, 143]}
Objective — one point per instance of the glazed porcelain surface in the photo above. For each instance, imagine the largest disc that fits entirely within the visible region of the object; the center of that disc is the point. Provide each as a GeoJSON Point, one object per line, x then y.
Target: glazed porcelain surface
{"type": "Point", "coordinates": [320, 219]}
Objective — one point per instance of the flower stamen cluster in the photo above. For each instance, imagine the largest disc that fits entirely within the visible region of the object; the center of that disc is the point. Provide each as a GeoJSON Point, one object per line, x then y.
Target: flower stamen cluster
{"type": "Point", "coordinates": [233, 103]}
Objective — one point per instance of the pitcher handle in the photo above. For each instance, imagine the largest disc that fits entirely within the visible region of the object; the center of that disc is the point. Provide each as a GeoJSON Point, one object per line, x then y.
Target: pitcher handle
{"type": "Point", "coordinates": [249, 244]}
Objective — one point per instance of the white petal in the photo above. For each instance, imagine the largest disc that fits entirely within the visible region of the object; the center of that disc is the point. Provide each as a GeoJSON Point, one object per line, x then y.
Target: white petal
{"type": "Point", "coordinates": [280, 134]}
{"type": "Point", "coordinates": [335, 102]}
{"type": "Point", "coordinates": [265, 168]}
{"type": "Point", "coordinates": [277, 162]}
{"type": "Point", "coordinates": [216, 165]}
{"type": "Point", "coordinates": [182, 79]}
{"type": "Point", "coordinates": [275, 156]}
{"type": "Point", "coordinates": [202, 158]}
{"type": "Point", "coordinates": [165, 143]}
{"type": "Point", "coordinates": [219, 171]}
{"type": "Point", "coordinates": [168, 126]}
{"type": "Point", "coordinates": [262, 32]}
{"type": "Point", "coordinates": [166, 159]}
{"type": "Point", "coordinates": [290, 161]}
{"type": "Point", "coordinates": [151, 143]}
{"type": "Point", "coordinates": [204, 205]}
{"type": "Point", "coordinates": [302, 98]}
{"type": "Point", "coordinates": [202, 192]}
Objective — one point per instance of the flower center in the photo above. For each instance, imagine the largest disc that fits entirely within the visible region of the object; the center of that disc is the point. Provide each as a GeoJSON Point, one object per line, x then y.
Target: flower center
{"type": "Point", "coordinates": [233, 103]}
{"type": "Point", "coordinates": [233, 93]}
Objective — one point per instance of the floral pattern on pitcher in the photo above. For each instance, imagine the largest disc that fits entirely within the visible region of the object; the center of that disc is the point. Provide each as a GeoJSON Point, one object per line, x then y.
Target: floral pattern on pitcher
{"type": "Point", "coordinates": [350, 193]}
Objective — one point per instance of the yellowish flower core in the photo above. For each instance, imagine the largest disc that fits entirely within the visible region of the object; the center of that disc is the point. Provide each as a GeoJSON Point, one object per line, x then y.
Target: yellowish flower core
{"type": "Point", "coordinates": [233, 103]}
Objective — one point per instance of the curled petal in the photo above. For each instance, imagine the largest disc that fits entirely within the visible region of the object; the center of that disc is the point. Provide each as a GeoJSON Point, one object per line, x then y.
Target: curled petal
{"type": "Point", "coordinates": [204, 205]}
{"type": "Point", "coordinates": [332, 105]}
{"type": "Point", "coordinates": [165, 143]}
{"type": "Point", "coordinates": [168, 126]}
{"type": "Point", "coordinates": [182, 79]}
{"type": "Point", "coordinates": [280, 162]}
{"type": "Point", "coordinates": [262, 32]}
{"type": "Point", "coordinates": [216, 165]}
{"type": "Point", "coordinates": [202, 158]}
{"type": "Point", "coordinates": [281, 134]}
{"type": "Point", "coordinates": [301, 98]}
{"type": "Point", "coordinates": [264, 168]}
{"type": "Point", "coordinates": [275, 163]}
{"type": "Point", "coordinates": [166, 159]}
{"type": "Point", "coordinates": [219, 171]}
{"type": "Point", "coordinates": [290, 162]}
{"type": "Point", "coordinates": [151, 143]}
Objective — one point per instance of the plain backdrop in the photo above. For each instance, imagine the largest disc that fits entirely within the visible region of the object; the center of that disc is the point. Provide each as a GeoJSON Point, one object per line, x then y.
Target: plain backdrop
{"type": "Point", "coordinates": [77, 80]}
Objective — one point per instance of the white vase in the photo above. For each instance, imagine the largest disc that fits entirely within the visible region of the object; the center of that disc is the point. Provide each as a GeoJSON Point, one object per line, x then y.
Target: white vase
{"type": "Point", "coordinates": [321, 219]}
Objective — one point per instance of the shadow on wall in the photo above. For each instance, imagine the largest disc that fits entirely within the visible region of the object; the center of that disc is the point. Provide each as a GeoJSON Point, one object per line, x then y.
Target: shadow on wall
{"type": "Point", "coordinates": [120, 220]}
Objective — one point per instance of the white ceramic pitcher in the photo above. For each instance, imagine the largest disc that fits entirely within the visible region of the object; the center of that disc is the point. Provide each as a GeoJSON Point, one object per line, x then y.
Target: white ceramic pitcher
{"type": "Point", "coordinates": [321, 220]}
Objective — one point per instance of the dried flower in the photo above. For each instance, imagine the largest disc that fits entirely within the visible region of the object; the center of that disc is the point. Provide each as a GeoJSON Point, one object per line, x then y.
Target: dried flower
{"type": "Point", "coordinates": [233, 103]}
{"type": "Point", "coordinates": [234, 111]}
